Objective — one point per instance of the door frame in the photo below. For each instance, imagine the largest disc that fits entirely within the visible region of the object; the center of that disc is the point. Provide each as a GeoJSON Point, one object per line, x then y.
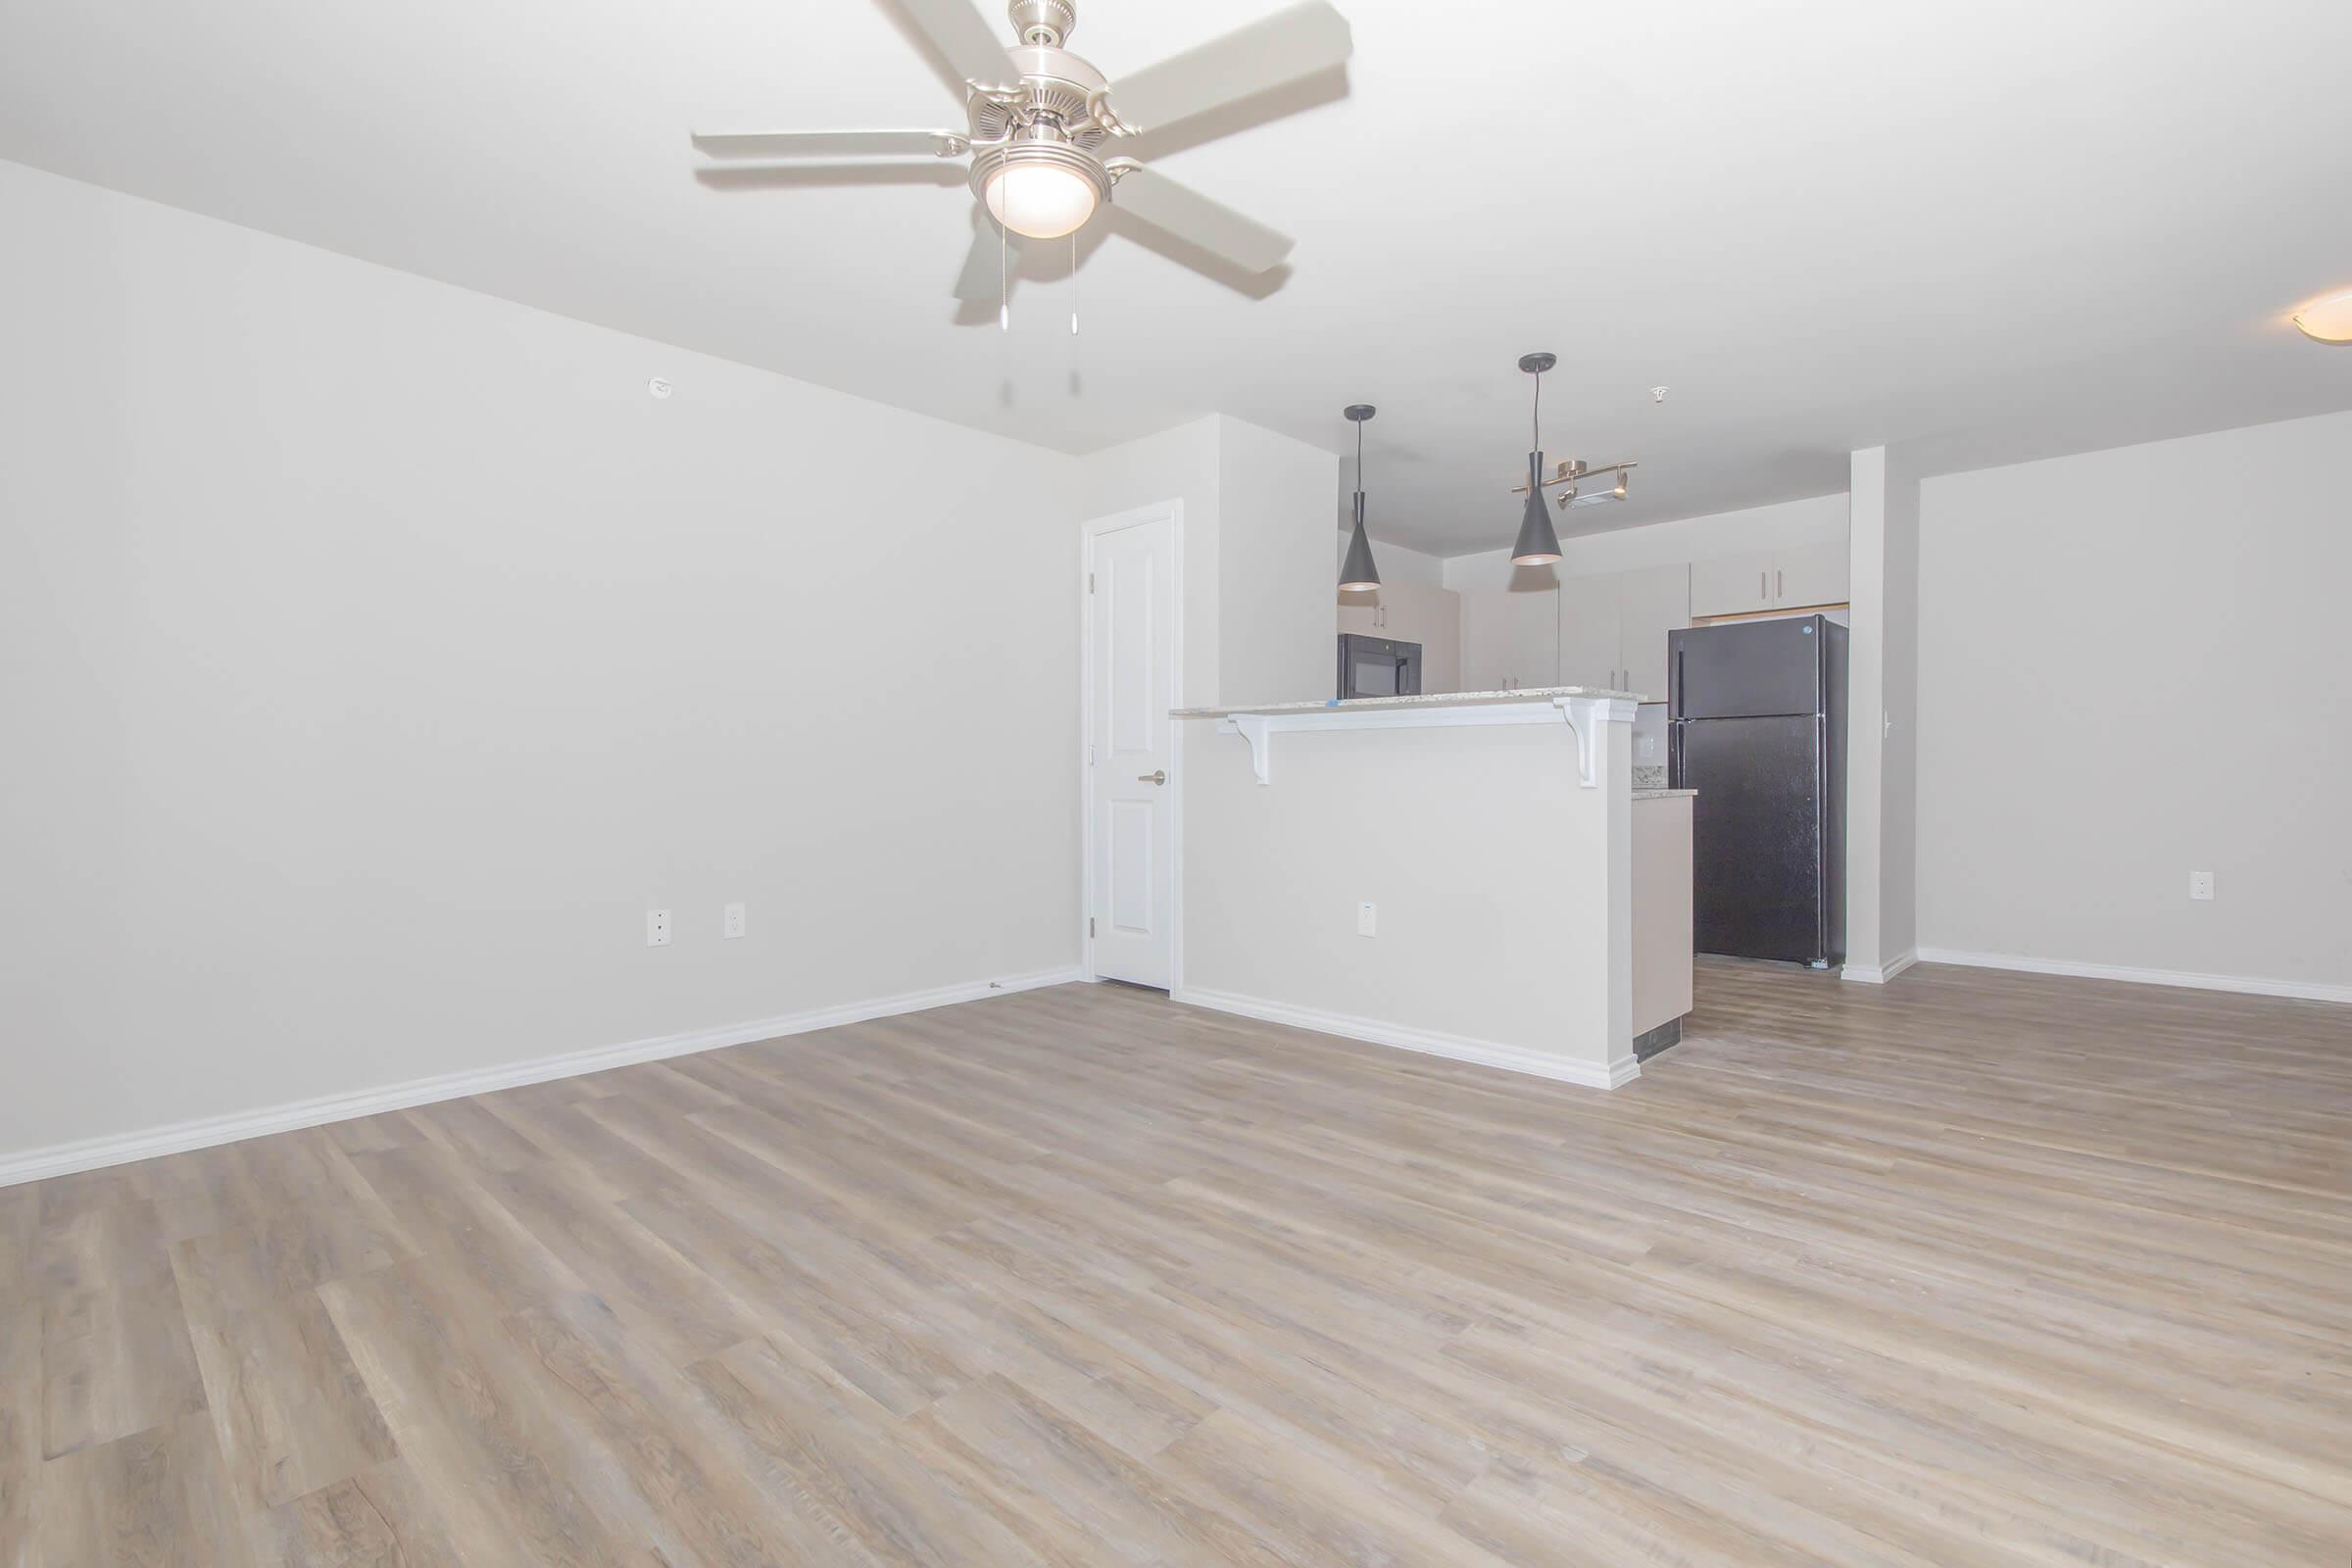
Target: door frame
{"type": "Point", "coordinates": [1172, 511]}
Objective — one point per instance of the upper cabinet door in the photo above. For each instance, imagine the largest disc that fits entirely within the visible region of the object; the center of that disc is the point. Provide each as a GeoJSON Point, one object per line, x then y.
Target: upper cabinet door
{"type": "Point", "coordinates": [1531, 619]}
{"type": "Point", "coordinates": [1510, 638]}
{"type": "Point", "coordinates": [1810, 574]}
{"type": "Point", "coordinates": [1432, 616]}
{"type": "Point", "coordinates": [1484, 665]}
{"type": "Point", "coordinates": [1650, 603]}
{"type": "Point", "coordinates": [1589, 631]}
{"type": "Point", "coordinates": [1360, 612]}
{"type": "Point", "coordinates": [1734, 585]}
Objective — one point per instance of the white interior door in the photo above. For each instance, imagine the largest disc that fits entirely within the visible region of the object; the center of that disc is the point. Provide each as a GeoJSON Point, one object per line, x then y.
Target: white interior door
{"type": "Point", "coordinates": [1131, 662]}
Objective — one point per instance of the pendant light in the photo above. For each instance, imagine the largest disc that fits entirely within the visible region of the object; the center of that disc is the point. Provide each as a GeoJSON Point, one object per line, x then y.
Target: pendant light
{"type": "Point", "coordinates": [1357, 574]}
{"type": "Point", "coordinates": [1537, 545]}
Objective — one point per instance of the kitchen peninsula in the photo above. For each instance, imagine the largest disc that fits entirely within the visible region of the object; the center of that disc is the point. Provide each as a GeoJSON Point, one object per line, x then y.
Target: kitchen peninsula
{"type": "Point", "coordinates": [1452, 873]}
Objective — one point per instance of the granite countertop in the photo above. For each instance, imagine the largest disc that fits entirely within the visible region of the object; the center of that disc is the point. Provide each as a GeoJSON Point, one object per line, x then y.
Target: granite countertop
{"type": "Point", "coordinates": [1526, 694]}
{"type": "Point", "coordinates": [1663, 795]}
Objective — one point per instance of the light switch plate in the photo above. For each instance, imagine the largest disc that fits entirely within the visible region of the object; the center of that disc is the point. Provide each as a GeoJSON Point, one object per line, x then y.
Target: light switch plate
{"type": "Point", "coordinates": [1367, 919]}
{"type": "Point", "coordinates": [2200, 885]}
{"type": "Point", "coordinates": [657, 928]}
{"type": "Point", "coordinates": [733, 922]}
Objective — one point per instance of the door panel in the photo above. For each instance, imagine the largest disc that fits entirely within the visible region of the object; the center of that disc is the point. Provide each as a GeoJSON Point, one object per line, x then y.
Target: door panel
{"type": "Point", "coordinates": [1756, 830]}
{"type": "Point", "coordinates": [1650, 604]}
{"type": "Point", "coordinates": [1747, 669]}
{"type": "Point", "coordinates": [1812, 574]}
{"type": "Point", "coordinates": [1531, 634]}
{"type": "Point", "coordinates": [1589, 631]}
{"type": "Point", "coordinates": [1484, 667]}
{"type": "Point", "coordinates": [1131, 658]}
{"type": "Point", "coordinates": [1734, 585]}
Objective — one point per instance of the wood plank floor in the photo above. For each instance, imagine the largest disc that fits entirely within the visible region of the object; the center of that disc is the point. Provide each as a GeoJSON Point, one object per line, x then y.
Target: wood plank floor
{"type": "Point", "coordinates": [1974, 1268]}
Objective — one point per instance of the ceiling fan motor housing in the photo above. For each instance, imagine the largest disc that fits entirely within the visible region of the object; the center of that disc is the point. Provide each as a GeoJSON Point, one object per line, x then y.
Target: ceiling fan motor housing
{"type": "Point", "coordinates": [1051, 121]}
{"type": "Point", "coordinates": [1043, 22]}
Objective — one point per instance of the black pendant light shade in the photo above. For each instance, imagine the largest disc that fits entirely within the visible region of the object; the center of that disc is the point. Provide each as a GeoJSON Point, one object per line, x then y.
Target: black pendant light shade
{"type": "Point", "coordinates": [1357, 574]}
{"type": "Point", "coordinates": [1537, 545]}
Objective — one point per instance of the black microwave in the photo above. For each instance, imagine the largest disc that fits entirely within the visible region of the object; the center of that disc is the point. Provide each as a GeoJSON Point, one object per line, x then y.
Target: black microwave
{"type": "Point", "coordinates": [1374, 666]}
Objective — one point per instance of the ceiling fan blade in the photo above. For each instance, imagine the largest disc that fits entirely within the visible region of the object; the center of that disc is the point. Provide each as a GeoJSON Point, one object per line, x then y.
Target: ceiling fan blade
{"type": "Point", "coordinates": [983, 279]}
{"type": "Point", "coordinates": [1184, 214]}
{"type": "Point", "coordinates": [1297, 42]}
{"type": "Point", "coordinates": [830, 143]}
{"type": "Point", "coordinates": [972, 49]}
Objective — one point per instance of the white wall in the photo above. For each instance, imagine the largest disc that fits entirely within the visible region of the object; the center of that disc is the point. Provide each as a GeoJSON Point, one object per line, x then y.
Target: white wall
{"type": "Point", "coordinates": [1505, 946]}
{"type": "Point", "coordinates": [1881, 718]}
{"type": "Point", "coordinates": [1274, 573]}
{"type": "Point", "coordinates": [2132, 666]}
{"type": "Point", "coordinates": [1257, 586]}
{"type": "Point", "coordinates": [1666, 544]}
{"type": "Point", "coordinates": [374, 653]}
{"type": "Point", "coordinates": [1176, 464]}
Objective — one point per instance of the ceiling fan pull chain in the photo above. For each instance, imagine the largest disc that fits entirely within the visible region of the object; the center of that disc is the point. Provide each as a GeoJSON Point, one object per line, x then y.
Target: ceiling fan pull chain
{"type": "Point", "coordinates": [1073, 282]}
{"type": "Point", "coordinates": [1004, 279]}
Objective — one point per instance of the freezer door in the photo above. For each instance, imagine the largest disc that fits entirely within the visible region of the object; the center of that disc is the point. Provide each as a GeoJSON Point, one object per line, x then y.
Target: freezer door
{"type": "Point", "coordinates": [1756, 846]}
{"type": "Point", "coordinates": [1746, 669]}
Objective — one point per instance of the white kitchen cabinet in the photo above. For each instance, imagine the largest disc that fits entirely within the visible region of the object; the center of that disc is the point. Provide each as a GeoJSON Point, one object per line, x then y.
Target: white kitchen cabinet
{"type": "Point", "coordinates": [1811, 574]}
{"type": "Point", "coordinates": [1510, 638]}
{"type": "Point", "coordinates": [1791, 578]}
{"type": "Point", "coordinates": [1412, 613]}
{"type": "Point", "coordinates": [1419, 612]}
{"type": "Point", "coordinates": [1650, 603]}
{"type": "Point", "coordinates": [1730, 585]}
{"type": "Point", "coordinates": [1589, 631]}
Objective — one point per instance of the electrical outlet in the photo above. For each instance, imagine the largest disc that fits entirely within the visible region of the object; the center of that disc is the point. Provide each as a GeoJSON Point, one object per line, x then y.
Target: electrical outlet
{"type": "Point", "coordinates": [1367, 920]}
{"type": "Point", "coordinates": [657, 928]}
{"type": "Point", "coordinates": [2200, 885]}
{"type": "Point", "coordinates": [734, 921]}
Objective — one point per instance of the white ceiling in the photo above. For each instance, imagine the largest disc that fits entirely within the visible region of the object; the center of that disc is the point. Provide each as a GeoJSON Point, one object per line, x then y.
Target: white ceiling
{"type": "Point", "coordinates": [2003, 229]}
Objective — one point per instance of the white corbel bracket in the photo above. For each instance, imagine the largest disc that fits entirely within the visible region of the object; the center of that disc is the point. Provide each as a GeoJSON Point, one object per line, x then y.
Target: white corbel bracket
{"type": "Point", "coordinates": [1587, 773]}
{"type": "Point", "coordinates": [1251, 727]}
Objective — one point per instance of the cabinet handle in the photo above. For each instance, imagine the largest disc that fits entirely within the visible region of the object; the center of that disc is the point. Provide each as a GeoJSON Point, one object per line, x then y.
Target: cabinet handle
{"type": "Point", "coordinates": [1761, 591]}
{"type": "Point", "coordinates": [1780, 583]}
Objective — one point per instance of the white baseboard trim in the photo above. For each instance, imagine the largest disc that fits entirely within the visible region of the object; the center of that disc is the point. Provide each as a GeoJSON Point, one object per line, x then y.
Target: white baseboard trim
{"type": "Point", "coordinates": [1458, 1048]}
{"type": "Point", "coordinates": [2251, 985]}
{"type": "Point", "coordinates": [1880, 975]}
{"type": "Point", "coordinates": [63, 1159]}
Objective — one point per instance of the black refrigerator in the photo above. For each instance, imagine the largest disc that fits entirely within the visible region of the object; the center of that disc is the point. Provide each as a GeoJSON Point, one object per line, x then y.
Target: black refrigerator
{"type": "Point", "coordinates": [1757, 726]}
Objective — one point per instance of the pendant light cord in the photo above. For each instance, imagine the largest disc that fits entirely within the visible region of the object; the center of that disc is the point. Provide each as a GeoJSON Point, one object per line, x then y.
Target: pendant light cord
{"type": "Point", "coordinates": [1535, 426]}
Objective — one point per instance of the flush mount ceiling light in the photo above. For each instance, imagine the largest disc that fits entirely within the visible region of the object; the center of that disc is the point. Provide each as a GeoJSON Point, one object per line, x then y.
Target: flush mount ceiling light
{"type": "Point", "coordinates": [1357, 574]}
{"type": "Point", "coordinates": [1041, 186]}
{"type": "Point", "coordinates": [2328, 321]}
{"type": "Point", "coordinates": [1040, 121]}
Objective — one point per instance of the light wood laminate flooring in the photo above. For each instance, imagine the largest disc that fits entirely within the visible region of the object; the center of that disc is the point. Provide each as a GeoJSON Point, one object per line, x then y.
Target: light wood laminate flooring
{"type": "Point", "coordinates": [1974, 1268]}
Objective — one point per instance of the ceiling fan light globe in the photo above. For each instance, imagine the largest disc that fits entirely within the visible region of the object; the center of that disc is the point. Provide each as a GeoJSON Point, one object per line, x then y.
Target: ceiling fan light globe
{"type": "Point", "coordinates": [2328, 321]}
{"type": "Point", "coordinates": [1040, 201]}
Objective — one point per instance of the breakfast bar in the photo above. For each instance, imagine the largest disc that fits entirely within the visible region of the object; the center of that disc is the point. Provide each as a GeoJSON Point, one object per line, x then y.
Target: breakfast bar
{"type": "Point", "coordinates": [1451, 873]}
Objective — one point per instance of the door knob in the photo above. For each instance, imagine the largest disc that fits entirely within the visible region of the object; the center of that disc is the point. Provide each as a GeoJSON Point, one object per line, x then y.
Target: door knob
{"type": "Point", "coordinates": [1159, 775]}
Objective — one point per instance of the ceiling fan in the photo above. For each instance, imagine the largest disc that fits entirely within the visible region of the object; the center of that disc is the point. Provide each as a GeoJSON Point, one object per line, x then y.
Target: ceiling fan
{"type": "Point", "coordinates": [1040, 119]}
